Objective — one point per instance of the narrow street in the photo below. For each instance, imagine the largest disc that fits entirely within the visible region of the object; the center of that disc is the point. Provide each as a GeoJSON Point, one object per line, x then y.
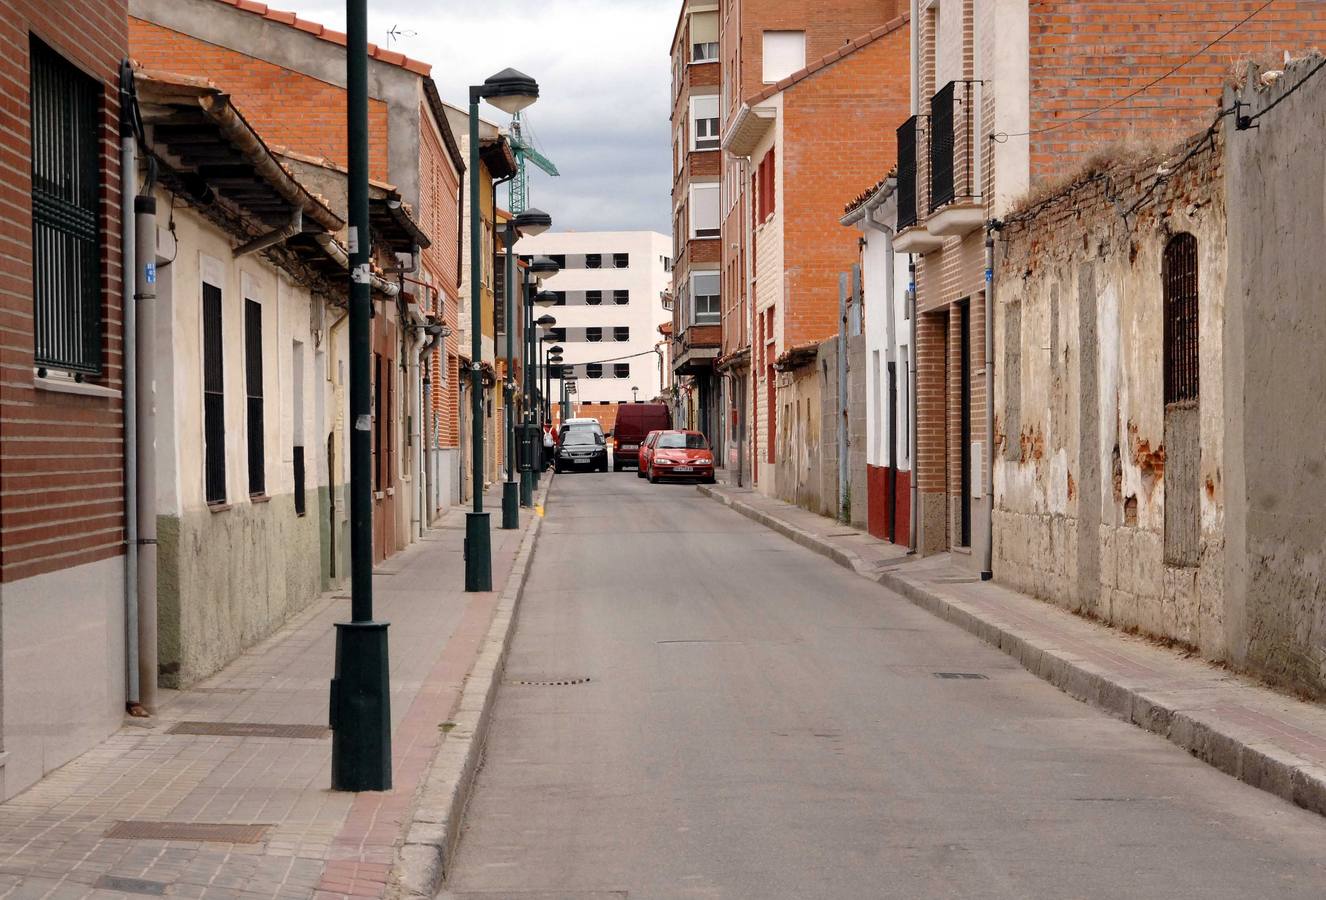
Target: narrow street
{"type": "Point", "coordinates": [758, 722]}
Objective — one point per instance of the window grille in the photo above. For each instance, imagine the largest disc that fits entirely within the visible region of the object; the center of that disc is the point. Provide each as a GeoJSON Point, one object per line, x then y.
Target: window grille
{"type": "Point", "coordinates": [941, 146]}
{"type": "Point", "coordinates": [300, 500]}
{"type": "Point", "coordinates": [66, 234]}
{"type": "Point", "coordinates": [253, 388]}
{"type": "Point", "coordinates": [907, 173]}
{"type": "Point", "coordinates": [1179, 274]}
{"type": "Point", "coordinates": [214, 423]}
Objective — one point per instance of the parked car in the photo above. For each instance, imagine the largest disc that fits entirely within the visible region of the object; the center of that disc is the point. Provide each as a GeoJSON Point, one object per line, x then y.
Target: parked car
{"type": "Point", "coordinates": [681, 454]}
{"type": "Point", "coordinates": [645, 452]}
{"type": "Point", "coordinates": [581, 449]}
{"type": "Point", "coordinates": [581, 422]}
{"type": "Point", "coordinates": [634, 422]}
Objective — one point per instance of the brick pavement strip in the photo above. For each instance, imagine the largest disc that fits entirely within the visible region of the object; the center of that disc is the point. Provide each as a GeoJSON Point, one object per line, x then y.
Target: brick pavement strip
{"type": "Point", "coordinates": [1264, 738]}
{"type": "Point", "coordinates": [53, 837]}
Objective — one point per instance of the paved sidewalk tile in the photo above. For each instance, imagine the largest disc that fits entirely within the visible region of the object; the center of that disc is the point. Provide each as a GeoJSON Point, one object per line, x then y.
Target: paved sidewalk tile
{"type": "Point", "coordinates": [1264, 737]}
{"type": "Point", "coordinates": [319, 843]}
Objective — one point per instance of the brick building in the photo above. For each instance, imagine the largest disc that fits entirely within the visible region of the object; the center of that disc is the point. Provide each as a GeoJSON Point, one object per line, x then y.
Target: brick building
{"type": "Point", "coordinates": [697, 311]}
{"type": "Point", "coordinates": [760, 43]}
{"type": "Point", "coordinates": [1008, 97]}
{"type": "Point", "coordinates": [62, 526]}
{"type": "Point", "coordinates": [796, 145]}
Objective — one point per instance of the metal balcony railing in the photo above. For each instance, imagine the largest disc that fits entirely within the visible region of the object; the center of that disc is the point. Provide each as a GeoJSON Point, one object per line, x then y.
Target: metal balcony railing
{"type": "Point", "coordinates": [951, 144]}
{"type": "Point", "coordinates": [907, 173]}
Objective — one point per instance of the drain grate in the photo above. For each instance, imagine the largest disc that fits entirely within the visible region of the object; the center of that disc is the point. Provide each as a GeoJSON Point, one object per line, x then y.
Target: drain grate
{"type": "Point", "coordinates": [131, 885]}
{"type": "Point", "coordinates": [565, 682]}
{"type": "Point", "coordinates": [187, 831]}
{"type": "Point", "coordinates": [250, 729]}
{"type": "Point", "coordinates": [967, 676]}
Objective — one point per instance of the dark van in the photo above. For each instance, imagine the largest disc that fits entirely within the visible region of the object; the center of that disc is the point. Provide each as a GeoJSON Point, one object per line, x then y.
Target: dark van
{"type": "Point", "coordinates": [634, 422]}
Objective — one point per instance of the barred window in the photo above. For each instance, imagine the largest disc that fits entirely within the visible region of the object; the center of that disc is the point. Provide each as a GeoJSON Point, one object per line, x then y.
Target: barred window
{"type": "Point", "coordinates": [66, 234]}
{"type": "Point", "coordinates": [1179, 274]}
{"type": "Point", "coordinates": [253, 393]}
{"type": "Point", "coordinates": [214, 421]}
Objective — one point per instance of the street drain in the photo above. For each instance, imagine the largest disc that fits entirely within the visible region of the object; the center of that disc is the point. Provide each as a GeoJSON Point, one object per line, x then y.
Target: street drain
{"type": "Point", "coordinates": [968, 676]}
{"type": "Point", "coordinates": [131, 885]}
{"type": "Point", "coordinates": [250, 729]}
{"type": "Point", "coordinates": [565, 682]}
{"type": "Point", "coordinates": [187, 831]}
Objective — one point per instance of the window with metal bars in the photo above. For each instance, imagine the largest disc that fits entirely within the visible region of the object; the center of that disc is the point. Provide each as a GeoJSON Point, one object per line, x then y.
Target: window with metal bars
{"type": "Point", "coordinates": [941, 146]}
{"type": "Point", "coordinates": [66, 233]}
{"type": "Point", "coordinates": [1179, 274]}
{"type": "Point", "coordinates": [253, 394]}
{"type": "Point", "coordinates": [499, 293]}
{"type": "Point", "coordinates": [301, 502]}
{"type": "Point", "coordinates": [214, 420]}
{"type": "Point", "coordinates": [907, 173]}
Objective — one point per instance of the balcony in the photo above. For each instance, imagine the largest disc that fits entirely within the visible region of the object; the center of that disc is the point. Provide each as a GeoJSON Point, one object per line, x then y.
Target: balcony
{"type": "Point", "coordinates": [911, 237]}
{"type": "Point", "coordinates": [955, 203]}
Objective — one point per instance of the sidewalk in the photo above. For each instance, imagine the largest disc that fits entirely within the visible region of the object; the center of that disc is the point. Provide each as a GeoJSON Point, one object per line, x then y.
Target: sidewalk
{"type": "Point", "coordinates": [302, 839]}
{"type": "Point", "coordinates": [1267, 739]}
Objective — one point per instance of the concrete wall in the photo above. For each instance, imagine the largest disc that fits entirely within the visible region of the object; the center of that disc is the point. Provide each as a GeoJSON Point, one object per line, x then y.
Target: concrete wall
{"type": "Point", "coordinates": [1275, 328]}
{"type": "Point", "coordinates": [1082, 484]}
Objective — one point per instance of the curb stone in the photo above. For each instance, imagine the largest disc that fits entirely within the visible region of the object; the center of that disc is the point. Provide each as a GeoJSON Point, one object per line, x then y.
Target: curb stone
{"type": "Point", "coordinates": [434, 829]}
{"type": "Point", "coordinates": [1216, 742]}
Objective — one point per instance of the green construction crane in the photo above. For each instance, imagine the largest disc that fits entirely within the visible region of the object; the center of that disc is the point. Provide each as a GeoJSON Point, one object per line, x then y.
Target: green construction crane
{"type": "Point", "coordinates": [524, 150]}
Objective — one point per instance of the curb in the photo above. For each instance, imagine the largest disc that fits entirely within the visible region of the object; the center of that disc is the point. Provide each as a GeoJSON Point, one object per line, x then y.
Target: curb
{"type": "Point", "coordinates": [1203, 734]}
{"type": "Point", "coordinates": [434, 830]}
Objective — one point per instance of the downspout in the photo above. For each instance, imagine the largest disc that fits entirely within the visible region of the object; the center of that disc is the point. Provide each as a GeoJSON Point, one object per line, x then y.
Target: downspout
{"type": "Point", "coordinates": [277, 236]}
{"type": "Point", "coordinates": [342, 259]}
{"type": "Point", "coordinates": [748, 414]}
{"type": "Point", "coordinates": [987, 567]}
{"type": "Point", "coordinates": [337, 438]}
{"type": "Point", "coordinates": [843, 514]}
{"type": "Point", "coordinates": [145, 295]}
{"type": "Point", "coordinates": [129, 175]}
{"type": "Point", "coordinates": [913, 541]}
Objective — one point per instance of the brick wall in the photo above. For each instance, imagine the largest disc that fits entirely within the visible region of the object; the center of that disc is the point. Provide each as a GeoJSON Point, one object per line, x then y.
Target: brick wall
{"type": "Point", "coordinates": [836, 141]}
{"type": "Point", "coordinates": [61, 456]}
{"type": "Point", "coordinates": [438, 214]}
{"type": "Point", "coordinates": [1086, 55]}
{"type": "Point", "coordinates": [288, 108]}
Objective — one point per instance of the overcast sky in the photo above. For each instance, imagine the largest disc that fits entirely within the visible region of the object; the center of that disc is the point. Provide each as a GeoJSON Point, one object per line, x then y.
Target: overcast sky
{"type": "Point", "coordinates": [603, 73]}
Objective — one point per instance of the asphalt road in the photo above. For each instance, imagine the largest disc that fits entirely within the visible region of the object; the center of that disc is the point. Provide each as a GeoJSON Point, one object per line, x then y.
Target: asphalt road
{"type": "Point", "coordinates": [759, 723]}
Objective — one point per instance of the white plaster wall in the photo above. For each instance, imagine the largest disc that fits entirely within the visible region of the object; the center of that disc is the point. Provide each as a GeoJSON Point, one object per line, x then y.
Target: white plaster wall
{"type": "Point", "coordinates": [64, 667]}
{"type": "Point", "coordinates": [771, 286]}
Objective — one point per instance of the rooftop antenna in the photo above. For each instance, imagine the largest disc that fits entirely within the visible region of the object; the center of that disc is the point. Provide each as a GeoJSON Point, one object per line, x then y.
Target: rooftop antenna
{"type": "Point", "coordinates": [395, 33]}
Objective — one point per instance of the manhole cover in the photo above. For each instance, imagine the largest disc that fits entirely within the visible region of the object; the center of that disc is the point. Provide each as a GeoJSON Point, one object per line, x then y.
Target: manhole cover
{"type": "Point", "coordinates": [564, 682]}
{"type": "Point", "coordinates": [131, 885]}
{"type": "Point", "coordinates": [250, 729]}
{"type": "Point", "coordinates": [187, 831]}
{"type": "Point", "coordinates": [967, 676]}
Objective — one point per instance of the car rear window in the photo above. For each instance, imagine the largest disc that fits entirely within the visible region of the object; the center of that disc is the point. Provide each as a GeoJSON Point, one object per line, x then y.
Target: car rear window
{"type": "Point", "coordinates": [683, 442]}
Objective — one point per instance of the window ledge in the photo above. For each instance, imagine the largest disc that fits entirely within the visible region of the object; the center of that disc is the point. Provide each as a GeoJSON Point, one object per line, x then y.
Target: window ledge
{"type": "Point", "coordinates": [69, 386]}
{"type": "Point", "coordinates": [218, 507]}
{"type": "Point", "coordinates": [259, 498]}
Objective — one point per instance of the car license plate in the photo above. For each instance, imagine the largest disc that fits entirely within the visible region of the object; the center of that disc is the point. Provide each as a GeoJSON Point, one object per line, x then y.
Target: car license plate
{"type": "Point", "coordinates": [683, 469]}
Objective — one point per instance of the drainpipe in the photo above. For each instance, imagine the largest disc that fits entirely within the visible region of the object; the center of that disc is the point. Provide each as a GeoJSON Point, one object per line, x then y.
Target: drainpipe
{"type": "Point", "coordinates": [277, 236]}
{"type": "Point", "coordinates": [128, 176]}
{"type": "Point", "coordinates": [842, 398]}
{"type": "Point", "coordinates": [145, 295]}
{"type": "Point", "coordinates": [913, 538]}
{"type": "Point", "coordinates": [342, 259]}
{"type": "Point", "coordinates": [987, 567]}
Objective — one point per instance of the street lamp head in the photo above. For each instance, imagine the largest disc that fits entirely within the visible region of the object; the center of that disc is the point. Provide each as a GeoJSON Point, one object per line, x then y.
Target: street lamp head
{"type": "Point", "coordinates": [545, 298]}
{"type": "Point", "coordinates": [545, 321]}
{"type": "Point", "coordinates": [509, 90]}
{"type": "Point", "coordinates": [544, 266]}
{"type": "Point", "coordinates": [533, 222]}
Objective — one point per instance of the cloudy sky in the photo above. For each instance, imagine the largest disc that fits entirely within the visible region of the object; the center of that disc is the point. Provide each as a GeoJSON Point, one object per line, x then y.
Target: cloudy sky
{"type": "Point", "coordinates": [603, 73]}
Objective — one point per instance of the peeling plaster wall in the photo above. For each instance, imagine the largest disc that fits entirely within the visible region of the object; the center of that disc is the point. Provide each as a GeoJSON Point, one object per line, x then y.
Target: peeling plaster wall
{"type": "Point", "coordinates": [1080, 486]}
{"type": "Point", "coordinates": [1275, 329]}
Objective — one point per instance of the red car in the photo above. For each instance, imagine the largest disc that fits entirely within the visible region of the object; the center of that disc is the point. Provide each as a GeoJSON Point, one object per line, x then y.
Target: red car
{"type": "Point", "coordinates": [646, 453]}
{"type": "Point", "coordinates": [681, 454]}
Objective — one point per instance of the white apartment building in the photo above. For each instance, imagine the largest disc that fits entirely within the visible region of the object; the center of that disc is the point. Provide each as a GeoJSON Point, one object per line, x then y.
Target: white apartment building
{"type": "Point", "coordinates": [610, 305]}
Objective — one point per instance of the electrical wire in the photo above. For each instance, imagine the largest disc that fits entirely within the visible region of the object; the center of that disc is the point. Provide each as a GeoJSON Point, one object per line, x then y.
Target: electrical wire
{"type": "Point", "coordinates": [591, 362]}
{"type": "Point", "coordinates": [1004, 136]}
{"type": "Point", "coordinates": [1244, 124]}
